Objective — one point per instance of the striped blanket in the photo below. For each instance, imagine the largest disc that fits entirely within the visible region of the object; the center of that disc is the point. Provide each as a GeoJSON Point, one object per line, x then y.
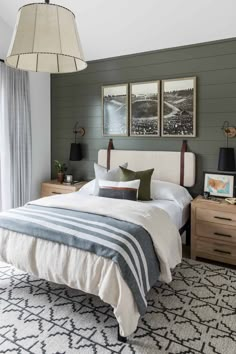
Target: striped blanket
{"type": "Point", "coordinates": [127, 244]}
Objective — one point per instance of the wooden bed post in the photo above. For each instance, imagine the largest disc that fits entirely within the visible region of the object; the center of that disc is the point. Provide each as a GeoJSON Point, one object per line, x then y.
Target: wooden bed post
{"type": "Point", "coordinates": [186, 227]}
{"type": "Point", "coordinates": [183, 150]}
{"type": "Point", "coordinates": [188, 231]}
{"type": "Point", "coordinates": [109, 148]}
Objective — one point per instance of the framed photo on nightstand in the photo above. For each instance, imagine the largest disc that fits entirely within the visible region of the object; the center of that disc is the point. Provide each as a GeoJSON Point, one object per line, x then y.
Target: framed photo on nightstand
{"type": "Point", "coordinates": [219, 185]}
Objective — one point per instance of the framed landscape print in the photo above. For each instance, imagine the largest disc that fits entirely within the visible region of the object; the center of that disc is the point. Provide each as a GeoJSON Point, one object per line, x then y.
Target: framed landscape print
{"type": "Point", "coordinates": [115, 110]}
{"type": "Point", "coordinates": [145, 109]}
{"type": "Point", "coordinates": [179, 107]}
{"type": "Point", "coordinates": [219, 185]}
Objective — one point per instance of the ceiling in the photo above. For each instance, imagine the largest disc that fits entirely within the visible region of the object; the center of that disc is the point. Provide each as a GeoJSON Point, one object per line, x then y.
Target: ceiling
{"type": "Point", "coordinates": [111, 28]}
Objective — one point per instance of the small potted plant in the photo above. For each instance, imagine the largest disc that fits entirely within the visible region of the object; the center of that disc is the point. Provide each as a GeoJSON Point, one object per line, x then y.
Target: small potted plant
{"type": "Point", "coordinates": [61, 169]}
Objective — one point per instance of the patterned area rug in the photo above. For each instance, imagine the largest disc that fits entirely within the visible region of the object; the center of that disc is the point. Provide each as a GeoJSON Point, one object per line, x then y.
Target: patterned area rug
{"type": "Point", "coordinates": [196, 313]}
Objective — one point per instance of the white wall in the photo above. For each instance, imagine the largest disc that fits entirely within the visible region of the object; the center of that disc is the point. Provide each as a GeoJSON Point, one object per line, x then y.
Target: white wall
{"type": "Point", "coordinates": [40, 118]}
{"type": "Point", "coordinates": [5, 38]}
{"type": "Point", "coordinates": [113, 28]}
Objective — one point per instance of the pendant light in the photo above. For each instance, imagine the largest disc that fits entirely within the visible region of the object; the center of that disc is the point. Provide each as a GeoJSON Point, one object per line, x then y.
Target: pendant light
{"type": "Point", "coordinates": [46, 39]}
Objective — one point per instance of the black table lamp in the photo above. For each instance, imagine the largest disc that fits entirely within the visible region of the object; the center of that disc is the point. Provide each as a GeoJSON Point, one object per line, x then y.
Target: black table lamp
{"type": "Point", "coordinates": [75, 149]}
{"type": "Point", "coordinates": [226, 155]}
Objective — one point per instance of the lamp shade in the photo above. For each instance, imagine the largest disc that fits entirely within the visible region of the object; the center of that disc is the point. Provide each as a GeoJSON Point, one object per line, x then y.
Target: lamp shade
{"type": "Point", "coordinates": [45, 39]}
{"type": "Point", "coordinates": [226, 159]}
{"type": "Point", "coordinates": [75, 152]}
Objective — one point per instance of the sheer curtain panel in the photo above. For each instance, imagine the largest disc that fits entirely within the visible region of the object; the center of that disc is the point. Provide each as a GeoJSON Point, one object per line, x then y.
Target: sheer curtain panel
{"type": "Point", "coordinates": [15, 138]}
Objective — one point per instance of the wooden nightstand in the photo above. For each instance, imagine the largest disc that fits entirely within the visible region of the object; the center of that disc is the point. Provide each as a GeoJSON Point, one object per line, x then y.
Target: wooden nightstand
{"type": "Point", "coordinates": [213, 230]}
{"type": "Point", "coordinates": [53, 187]}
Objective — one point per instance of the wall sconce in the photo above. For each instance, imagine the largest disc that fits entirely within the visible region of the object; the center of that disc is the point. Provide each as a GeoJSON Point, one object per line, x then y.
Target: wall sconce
{"type": "Point", "coordinates": [75, 149]}
{"type": "Point", "coordinates": [226, 155]}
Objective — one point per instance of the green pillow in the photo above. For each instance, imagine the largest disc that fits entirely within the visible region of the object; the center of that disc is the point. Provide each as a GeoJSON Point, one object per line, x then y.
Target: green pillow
{"type": "Point", "coordinates": [144, 192]}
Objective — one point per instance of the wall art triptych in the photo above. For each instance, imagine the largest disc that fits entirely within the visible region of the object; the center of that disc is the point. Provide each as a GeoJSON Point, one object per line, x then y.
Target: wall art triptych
{"type": "Point", "coordinates": [156, 108]}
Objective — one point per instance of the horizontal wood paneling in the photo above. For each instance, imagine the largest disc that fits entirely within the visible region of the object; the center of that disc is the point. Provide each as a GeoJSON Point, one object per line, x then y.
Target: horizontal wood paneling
{"type": "Point", "coordinates": [77, 97]}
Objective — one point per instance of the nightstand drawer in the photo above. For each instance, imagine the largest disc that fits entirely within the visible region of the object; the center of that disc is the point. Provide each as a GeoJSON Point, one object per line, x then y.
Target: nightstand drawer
{"type": "Point", "coordinates": [216, 231]}
{"type": "Point", "coordinates": [225, 255]}
{"type": "Point", "coordinates": [218, 249]}
{"type": "Point", "coordinates": [47, 191]}
{"type": "Point", "coordinates": [53, 188]}
{"type": "Point", "coordinates": [215, 216]}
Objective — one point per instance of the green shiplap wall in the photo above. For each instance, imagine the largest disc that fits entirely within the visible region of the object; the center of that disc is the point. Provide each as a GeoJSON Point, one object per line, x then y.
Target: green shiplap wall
{"type": "Point", "coordinates": [77, 97]}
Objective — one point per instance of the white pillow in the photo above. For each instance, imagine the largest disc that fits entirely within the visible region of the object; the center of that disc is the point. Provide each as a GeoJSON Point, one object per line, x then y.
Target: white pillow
{"type": "Point", "coordinates": [170, 191]}
{"type": "Point", "coordinates": [102, 173]}
{"type": "Point", "coordinates": [88, 188]}
{"type": "Point", "coordinates": [128, 184]}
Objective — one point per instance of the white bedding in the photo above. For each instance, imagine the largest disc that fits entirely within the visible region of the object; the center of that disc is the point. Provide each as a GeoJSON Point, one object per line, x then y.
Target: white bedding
{"type": "Point", "coordinates": [177, 207]}
{"type": "Point", "coordinates": [89, 272]}
{"type": "Point", "coordinates": [178, 215]}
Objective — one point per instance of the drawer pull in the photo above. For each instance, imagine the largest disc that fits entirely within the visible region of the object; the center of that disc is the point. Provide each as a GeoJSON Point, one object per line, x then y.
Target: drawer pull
{"type": "Point", "coordinates": [220, 251]}
{"type": "Point", "coordinates": [219, 234]}
{"type": "Point", "coordinates": [56, 193]}
{"type": "Point", "coordinates": [221, 218]}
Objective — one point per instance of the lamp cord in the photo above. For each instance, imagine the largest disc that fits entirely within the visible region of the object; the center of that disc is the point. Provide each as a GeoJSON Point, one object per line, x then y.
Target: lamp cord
{"type": "Point", "coordinates": [225, 129]}
{"type": "Point", "coordinates": [75, 130]}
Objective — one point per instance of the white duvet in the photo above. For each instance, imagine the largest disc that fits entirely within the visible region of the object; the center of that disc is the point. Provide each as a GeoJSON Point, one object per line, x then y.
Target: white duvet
{"type": "Point", "coordinates": [87, 271]}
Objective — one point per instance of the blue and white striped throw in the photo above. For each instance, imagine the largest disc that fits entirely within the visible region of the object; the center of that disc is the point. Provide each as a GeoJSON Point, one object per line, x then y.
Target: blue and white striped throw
{"type": "Point", "coordinates": [128, 245]}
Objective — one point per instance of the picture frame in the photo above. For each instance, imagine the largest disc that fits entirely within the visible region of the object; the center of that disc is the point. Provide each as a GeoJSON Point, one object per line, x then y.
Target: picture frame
{"type": "Point", "coordinates": [115, 110]}
{"type": "Point", "coordinates": [219, 184]}
{"type": "Point", "coordinates": [145, 109]}
{"type": "Point", "coordinates": [178, 107]}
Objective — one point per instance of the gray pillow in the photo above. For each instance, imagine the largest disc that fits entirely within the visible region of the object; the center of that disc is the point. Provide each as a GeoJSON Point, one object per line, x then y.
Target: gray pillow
{"type": "Point", "coordinates": [102, 173]}
{"type": "Point", "coordinates": [118, 193]}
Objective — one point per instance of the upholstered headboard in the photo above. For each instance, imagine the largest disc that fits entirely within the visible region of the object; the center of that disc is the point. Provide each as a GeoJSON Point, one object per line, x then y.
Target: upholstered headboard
{"type": "Point", "coordinates": [166, 164]}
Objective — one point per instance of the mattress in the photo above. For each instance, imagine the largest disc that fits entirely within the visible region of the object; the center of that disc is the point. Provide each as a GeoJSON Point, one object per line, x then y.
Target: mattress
{"type": "Point", "coordinates": [178, 215]}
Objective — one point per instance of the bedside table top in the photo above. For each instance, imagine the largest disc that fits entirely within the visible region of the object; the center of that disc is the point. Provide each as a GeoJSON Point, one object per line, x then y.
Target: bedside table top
{"type": "Point", "coordinates": [55, 183]}
{"type": "Point", "coordinates": [220, 204]}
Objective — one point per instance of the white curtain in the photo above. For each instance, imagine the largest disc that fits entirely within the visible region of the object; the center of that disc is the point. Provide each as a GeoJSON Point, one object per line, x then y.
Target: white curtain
{"type": "Point", "coordinates": [15, 138]}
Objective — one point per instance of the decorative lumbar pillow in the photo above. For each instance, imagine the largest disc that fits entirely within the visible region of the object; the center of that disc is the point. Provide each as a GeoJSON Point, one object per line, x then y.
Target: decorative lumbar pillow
{"type": "Point", "coordinates": [145, 181]}
{"type": "Point", "coordinates": [102, 173]}
{"type": "Point", "coordinates": [119, 190]}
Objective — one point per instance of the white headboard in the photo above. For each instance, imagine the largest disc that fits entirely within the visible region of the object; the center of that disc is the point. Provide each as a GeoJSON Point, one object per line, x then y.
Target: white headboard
{"type": "Point", "coordinates": [166, 164]}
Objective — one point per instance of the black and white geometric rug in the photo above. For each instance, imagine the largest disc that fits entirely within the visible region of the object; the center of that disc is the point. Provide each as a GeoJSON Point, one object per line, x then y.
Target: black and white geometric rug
{"type": "Point", "coordinates": [196, 313]}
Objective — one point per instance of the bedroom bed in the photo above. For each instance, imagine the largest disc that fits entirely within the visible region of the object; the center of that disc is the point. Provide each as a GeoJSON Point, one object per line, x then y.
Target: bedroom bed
{"type": "Point", "coordinates": [179, 213]}
{"type": "Point", "coordinates": [115, 249]}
